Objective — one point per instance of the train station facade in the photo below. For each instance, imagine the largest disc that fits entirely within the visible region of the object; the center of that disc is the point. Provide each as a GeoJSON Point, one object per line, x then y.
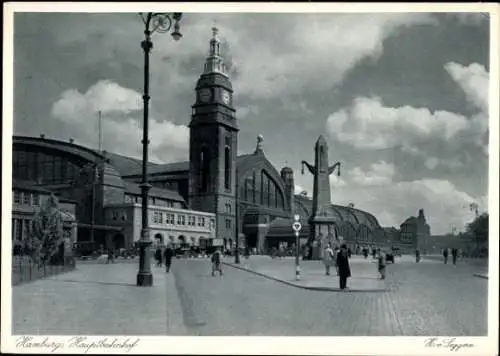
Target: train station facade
{"type": "Point", "coordinates": [203, 201]}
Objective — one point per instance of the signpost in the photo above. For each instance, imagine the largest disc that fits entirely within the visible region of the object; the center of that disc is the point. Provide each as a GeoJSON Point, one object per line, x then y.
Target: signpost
{"type": "Point", "coordinates": [296, 227]}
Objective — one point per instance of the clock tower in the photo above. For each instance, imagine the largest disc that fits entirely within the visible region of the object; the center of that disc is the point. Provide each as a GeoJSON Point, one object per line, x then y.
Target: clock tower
{"type": "Point", "coordinates": [213, 144]}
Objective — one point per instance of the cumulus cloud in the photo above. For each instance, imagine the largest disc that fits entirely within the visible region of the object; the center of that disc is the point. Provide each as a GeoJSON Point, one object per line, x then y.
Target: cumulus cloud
{"type": "Point", "coordinates": [380, 173]}
{"type": "Point", "coordinates": [445, 205]}
{"type": "Point", "coordinates": [106, 96]}
{"type": "Point", "coordinates": [336, 181]}
{"type": "Point", "coordinates": [431, 162]}
{"type": "Point", "coordinates": [340, 41]}
{"type": "Point", "coordinates": [121, 124]}
{"type": "Point", "coordinates": [474, 81]}
{"type": "Point", "coordinates": [369, 124]}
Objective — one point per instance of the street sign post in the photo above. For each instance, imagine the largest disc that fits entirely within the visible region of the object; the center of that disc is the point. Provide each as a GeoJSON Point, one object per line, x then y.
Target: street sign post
{"type": "Point", "coordinates": [296, 226]}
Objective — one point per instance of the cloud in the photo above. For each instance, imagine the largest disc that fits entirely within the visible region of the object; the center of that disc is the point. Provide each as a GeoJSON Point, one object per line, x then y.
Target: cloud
{"type": "Point", "coordinates": [369, 124]}
{"type": "Point", "coordinates": [474, 81]}
{"type": "Point", "coordinates": [380, 173]}
{"type": "Point", "coordinates": [444, 205]}
{"type": "Point", "coordinates": [336, 181]}
{"type": "Point", "coordinates": [121, 128]}
{"type": "Point", "coordinates": [431, 162]}
{"type": "Point", "coordinates": [104, 96]}
{"type": "Point", "coordinates": [469, 18]}
{"type": "Point", "coordinates": [298, 189]}
{"type": "Point", "coordinates": [314, 49]}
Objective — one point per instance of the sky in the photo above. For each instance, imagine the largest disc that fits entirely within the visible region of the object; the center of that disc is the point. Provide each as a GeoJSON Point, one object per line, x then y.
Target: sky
{"type": "Point", "coordinates": [401, 98]}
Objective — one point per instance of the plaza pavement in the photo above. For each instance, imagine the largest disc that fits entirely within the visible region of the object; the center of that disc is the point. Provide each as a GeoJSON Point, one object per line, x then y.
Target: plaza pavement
{"type": "Point", "coordinates": [428, 298]}
{"type": "Point", "coordinates": [98, 299]}
{"type": "Point", "coordinates": [423, 299]}
{"type": "Point", "coordinates": [312, 273]}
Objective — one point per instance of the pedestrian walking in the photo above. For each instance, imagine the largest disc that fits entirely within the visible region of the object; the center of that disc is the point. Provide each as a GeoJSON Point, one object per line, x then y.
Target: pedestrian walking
{"type": "Point", "coordinates": [336, 251]}
{"type": "Point", "coordinates": [111, 257]}
{"type": "Point", "coordinates": [306, 252]}
{"type": "Point", "coordinates": [281, 253]}
{"type": "Point", "coordinates": [381, 264]}
{"type": "Point", "coordinates": [328, 258]}
{"type": "Point", "coordinates": [168, 254]}
{"type": "Point", "coordinates": [417, 256]}
{"type": "Point", "coordinates": [365, 252]}
{"type": "Point", "coordinates": [445, 255]}
{"type": "Point", "coordinates": [454, 254]}
{"type": "Point", "coordinates": [374, 252]}
{"type": "Point", "coordinates": [216, 262]}
{"type": "Point", "coordinates": [158, 256]}
{"type": "Point", "coordinates": [343, 266]}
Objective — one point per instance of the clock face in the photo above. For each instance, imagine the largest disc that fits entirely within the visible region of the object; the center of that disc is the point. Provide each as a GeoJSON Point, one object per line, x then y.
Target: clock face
{"type": "Point", "coordinates": [205, 95]}
{"type": "Point", "coordinates": [226, 97]}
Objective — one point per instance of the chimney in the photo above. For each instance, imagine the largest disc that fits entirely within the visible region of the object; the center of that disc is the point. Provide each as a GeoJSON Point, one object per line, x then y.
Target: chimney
{"type": "Point", "coordinates": [42, 135]}
{"type": "Point", "coordinates": [71, 140]}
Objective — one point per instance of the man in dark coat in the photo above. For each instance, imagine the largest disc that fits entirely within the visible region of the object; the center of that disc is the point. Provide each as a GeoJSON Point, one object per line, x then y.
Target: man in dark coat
{"type": "Point", "coordinates": [454, 255]}
{"type": "Point", "coordinates": [169, 254]}
{"type": "Point", "coordinates": [445, 255]}
{"type": "Point", "coordinates": [343, 266]}
{"type": "Point", "coordinates": [158, 256]}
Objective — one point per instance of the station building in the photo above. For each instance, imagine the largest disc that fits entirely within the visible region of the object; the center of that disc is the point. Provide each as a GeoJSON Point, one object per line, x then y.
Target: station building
{"type": "Point", "coordinates": [204, 201]}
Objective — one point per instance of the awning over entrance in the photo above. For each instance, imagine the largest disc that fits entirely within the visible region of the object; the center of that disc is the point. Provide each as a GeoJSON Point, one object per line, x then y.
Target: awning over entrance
{"type": "Point", "coordinates": [100, 227]}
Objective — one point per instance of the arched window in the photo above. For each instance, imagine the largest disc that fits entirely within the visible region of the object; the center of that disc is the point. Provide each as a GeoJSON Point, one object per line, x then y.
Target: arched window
{"type": "Point", "coordinates": [245, 190]}
{"type": "Point", "coordinates": [227, 164]}
{"type": "Point", "coordinates": [279, 199]}
{"type": "Point", "coordinates": [204, 169]}
{"type": "Point", "coordinates": [254, 187]}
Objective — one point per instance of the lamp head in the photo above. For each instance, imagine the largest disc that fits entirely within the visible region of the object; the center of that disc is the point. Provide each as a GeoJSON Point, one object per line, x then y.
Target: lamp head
{"type": "Point", "coordinates": [177, 33]}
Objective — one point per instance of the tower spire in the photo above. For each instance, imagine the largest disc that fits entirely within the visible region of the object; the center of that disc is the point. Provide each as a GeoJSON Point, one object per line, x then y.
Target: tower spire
{"type": "Point", "coordinates": [214, 62]}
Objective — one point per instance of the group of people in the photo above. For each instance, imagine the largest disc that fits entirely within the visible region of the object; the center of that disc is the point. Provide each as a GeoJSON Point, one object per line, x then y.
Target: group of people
{"type": "Point", "coordinates": [454, 255]}
{"type": "Point", "coordinates": [339, 258]}
{"type": "Point", "coordinates": [168, 254]}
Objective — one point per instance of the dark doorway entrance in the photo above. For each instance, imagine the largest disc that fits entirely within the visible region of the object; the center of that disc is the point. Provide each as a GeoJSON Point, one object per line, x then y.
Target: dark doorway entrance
{"type": "Point", "coordinates": [251, 240]}
{"type": "Point", "coordinates": [158, 240]}
{"type": "Point", "coordinates": [118, 241]}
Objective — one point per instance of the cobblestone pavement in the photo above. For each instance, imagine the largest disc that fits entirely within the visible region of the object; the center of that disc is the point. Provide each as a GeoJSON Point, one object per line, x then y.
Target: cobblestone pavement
{"type": "Point", "coordinates": [312, 273]}
{"type": "Point", "coordinates": [97, 299]}
{"type": "Point", "coordinates": [425, 299]}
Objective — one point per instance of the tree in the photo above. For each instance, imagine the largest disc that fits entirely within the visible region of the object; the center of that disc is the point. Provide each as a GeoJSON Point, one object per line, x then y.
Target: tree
{"type": "Point", "coordinates": [47, 232]}
{"type": "Point", "coordinates": [479, 230]}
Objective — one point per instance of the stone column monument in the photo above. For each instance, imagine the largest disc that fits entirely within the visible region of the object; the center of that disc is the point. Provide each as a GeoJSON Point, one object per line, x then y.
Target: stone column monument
{"type": "Point", "coordinates": [322, 220]}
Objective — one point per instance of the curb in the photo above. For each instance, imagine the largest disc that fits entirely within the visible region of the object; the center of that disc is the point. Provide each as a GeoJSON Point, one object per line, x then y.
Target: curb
{"type": "Point", "coordinates": [483, 276]}
{"type": "Point", "coordinates": [321, 289]}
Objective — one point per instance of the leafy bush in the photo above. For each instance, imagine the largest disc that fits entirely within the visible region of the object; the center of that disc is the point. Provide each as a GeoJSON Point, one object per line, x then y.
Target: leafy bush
{"type": "Point", "coordinates": [46, 240]}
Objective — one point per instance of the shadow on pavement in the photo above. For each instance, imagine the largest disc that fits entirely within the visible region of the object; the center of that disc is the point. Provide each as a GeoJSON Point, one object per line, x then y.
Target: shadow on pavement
{"type": "Point", "coordinates": [93, 282]}
{"type": "Point", "coordinates": [189, 312]}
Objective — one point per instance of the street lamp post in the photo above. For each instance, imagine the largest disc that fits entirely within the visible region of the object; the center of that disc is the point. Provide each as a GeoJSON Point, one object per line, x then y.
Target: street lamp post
{"type": "Point", "coordinates": [296, 227]}
{"type": "Point", "coordinates": [237, 237]}
{"type": "Point", "coordinates": [153, 22]}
